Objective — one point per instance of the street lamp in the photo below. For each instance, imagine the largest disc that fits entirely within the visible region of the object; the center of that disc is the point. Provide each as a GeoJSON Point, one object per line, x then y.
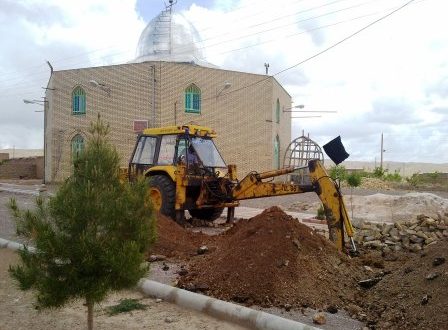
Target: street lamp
{"type": "Point", "coordinates": [103, 87]}
{"type": "Point", "coordinates": [227, 85]}
{"type": "Point", "coordinates": [38, 102]}
{"type": "Point", "coordinates": [43, 103]}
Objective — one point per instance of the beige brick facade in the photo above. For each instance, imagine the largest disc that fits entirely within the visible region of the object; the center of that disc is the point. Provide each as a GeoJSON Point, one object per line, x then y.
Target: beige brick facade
{"type": "Point", "coordinates": [243, 115]}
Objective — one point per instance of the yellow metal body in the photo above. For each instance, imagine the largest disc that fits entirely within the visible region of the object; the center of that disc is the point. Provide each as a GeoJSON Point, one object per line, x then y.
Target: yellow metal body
{"type": "Point", "coordinates": [251, 186]}
{"type": "Point", "coordinates": [194, 130]}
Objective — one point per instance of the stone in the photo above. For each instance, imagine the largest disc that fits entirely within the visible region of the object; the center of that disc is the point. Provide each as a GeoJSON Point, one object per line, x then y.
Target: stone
{"type": "Point", "coordinates": [156, 257]}
{"type": "Point", "coordinates": [319, 318]}
{"type": "Point", "coordinates": [353, 309]}
{"type": "Point", "coordinates": [442, 227]}
{"type": "Point", "coordinates": [393, 232]}
{"type": "Point", "coordinates": [429, 241]}
{"type": "Point", "coordinates": [421, 234]}
{"type": "Point", "coordinates": [296, 242]}
{"type": "Point", "coordinates": [170, 319]}
{"type": "Point", "coordinates": [158, 300]}
{"type": "Point", "coordinates": [287, 307]}
{"type": "Point", "coordinates": [415, 247]}
{"type": "Point", "coordinates": [165, 267]}
{"type": "Point", "coordinates": [438, 261]}
{"type": "Point", "coordinates": [182, 272]}
{"type": "Point", "coordinates": [373, 244]}
{"type": "Point", "coordinates": [399, 226]}
{"type": "Point", "coordinates": [432, 276]}
{"type": "Point", "coordinates": [411, 232]}
{"type": "Point", "coordinates": [445, 233]}
{"type": "Point", "coordinates": [439, 234]}
{"type": "Point", "coordinates": [369, 269]}
{"type": "Point", "coordinates": [415, 239]}
{"type": "Point", "coordinates": [332, 309]}
{"type": "Point", "coordinates": [370, 282]}
{"type": "Point", "coordinates": [387, 228]}
{"type": "Point", "coordinates": [203, 249]}
{"type": "Point", "coordinates": [425, 299]}
{"type": "Point", "coordinates": [397, 248]}
{"type": "Point", "coordinates": [389, 242]}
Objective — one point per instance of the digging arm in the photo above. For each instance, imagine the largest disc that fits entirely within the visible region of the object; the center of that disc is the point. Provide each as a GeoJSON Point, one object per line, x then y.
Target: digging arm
{"type": "Point", "coordinates": [253, 186]}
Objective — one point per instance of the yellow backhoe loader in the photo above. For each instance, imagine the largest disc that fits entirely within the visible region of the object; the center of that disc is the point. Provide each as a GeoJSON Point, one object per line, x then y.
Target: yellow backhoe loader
{"type": "Point", "coordinates": [187, 173]}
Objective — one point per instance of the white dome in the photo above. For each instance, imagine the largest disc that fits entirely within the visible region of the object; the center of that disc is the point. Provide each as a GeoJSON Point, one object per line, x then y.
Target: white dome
{"type": "Point", "coordinates": [170, 37]}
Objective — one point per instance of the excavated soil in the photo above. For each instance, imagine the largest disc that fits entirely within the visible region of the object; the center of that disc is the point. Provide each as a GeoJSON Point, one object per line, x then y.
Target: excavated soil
{"type": "Point", "coordinates": [273, 260]}
{"type": "Point", "coordinates": [408, 297]}
{"type": "Point", "coordinates": [174, 241]}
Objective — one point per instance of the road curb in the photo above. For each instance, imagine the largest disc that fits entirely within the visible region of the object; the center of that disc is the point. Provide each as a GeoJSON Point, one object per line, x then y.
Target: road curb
{"type": "Point", "coordinates": [214, 307]}
{"type": "Point", "coordinates": [220, 309]}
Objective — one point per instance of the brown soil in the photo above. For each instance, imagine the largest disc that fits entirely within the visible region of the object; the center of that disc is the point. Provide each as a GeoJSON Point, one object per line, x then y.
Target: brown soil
{"type": "Point", "coordinates": [273, 260]}
{"type": "Point", "coordinates": [396, 302]}
{"type": "Point", "coordinates": [176, 242]}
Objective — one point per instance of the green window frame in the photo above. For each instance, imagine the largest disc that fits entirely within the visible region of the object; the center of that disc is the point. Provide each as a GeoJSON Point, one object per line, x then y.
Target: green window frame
{"type": "Point", "coordinates": [77, 146]}
{"type": "Point", "coordinates": [192, 99]}
{"type": "Point", "coordinates": [78, 101]}
{"type": "Point", "coordinates": [277, 152]}
{"type": "Point", "coordinates": [277, 112]}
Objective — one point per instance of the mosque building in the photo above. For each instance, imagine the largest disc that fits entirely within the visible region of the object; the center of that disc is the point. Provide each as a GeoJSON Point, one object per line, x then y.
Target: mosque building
{"type": "Point", "coordinates": [168, 83]}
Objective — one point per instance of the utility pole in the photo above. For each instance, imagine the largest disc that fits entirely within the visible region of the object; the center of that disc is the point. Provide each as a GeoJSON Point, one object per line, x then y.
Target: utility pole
{"type": "Point", "coordinates": [382, 150]}
{"type": "Point", "coordinates": [266, 65]}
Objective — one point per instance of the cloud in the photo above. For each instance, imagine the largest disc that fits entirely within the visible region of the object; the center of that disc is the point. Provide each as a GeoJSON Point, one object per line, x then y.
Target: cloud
{"type": "Point", "coordinates": [390, 79]}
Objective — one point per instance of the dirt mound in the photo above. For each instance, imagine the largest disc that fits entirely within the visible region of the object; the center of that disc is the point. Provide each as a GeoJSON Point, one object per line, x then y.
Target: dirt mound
{"type": "Point", "coordinates": [274, 260]}
{"type": "Point", "coordinates": [174, 241]}
{"type": "Point", "coordinates": [414, 295]}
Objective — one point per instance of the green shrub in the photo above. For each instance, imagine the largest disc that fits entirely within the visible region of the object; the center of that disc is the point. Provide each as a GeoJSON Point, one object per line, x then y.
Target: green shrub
{"type": "Point", "coordinates": [320, 213]}
{"type": "Point", "coordinates": [354, 179]}
{"type": "Point", "coordinates": [414, 179]}
{"type": "Point", "coordinates": [379, 172]}
{"type": "Point", "coordinates": [338, 172]}
{"type": "Point", "coordinates": [396, 177]}
{"type": "Point", "coordinates": [125, 305]}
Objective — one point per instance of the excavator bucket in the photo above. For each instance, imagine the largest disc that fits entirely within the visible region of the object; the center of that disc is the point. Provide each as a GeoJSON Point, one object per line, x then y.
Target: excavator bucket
{"type": "Point", "coordinates": [336, 151]}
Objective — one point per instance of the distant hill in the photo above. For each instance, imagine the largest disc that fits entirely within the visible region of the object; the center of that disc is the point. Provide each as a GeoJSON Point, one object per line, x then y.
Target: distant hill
{"type": "Point", "coordinates": [19, 153]}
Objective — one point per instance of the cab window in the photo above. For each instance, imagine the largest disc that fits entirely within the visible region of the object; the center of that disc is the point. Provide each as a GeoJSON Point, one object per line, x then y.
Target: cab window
{"type": "Point", "coordinates": [144, 153]}
{"type": "Point", "coordinates": [167, 148]}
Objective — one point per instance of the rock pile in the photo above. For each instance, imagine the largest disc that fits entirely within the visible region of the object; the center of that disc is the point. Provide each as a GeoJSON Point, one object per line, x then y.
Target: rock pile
{"type": "Point", "coordinates": [413, 235]}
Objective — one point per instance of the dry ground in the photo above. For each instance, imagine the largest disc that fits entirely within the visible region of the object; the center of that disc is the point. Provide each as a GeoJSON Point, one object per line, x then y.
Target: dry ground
{"type": "Point", "coordinates": [17, 311]}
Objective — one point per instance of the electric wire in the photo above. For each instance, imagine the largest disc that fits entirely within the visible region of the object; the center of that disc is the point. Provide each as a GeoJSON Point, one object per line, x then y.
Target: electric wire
{"type": "Point", "coordinates": [324, 50]}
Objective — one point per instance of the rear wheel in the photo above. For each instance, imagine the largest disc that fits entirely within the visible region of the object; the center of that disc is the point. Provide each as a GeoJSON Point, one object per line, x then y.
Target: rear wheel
{"type": "Point", "coordinates": [162, 192]}
{"type": "Point", "coordinates": [206, 214]}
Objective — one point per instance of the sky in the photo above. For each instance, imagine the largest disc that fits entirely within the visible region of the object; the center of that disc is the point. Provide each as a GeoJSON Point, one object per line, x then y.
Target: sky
{"type": "Point", "coordinates": [391, 78]}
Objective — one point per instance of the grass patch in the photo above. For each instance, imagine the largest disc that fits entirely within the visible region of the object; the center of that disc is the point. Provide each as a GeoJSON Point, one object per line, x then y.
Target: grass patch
{"type": "Point", "coordinates": [126, 305]}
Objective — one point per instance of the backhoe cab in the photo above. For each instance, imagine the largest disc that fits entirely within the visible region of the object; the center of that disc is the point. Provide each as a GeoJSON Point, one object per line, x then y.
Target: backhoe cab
{"type": "Point", "coordinates": [186, 172]}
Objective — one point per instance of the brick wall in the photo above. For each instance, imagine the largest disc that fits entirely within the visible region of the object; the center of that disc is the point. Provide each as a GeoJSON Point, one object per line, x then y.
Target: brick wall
{"type": "Point", "coordinates": [242, 119]}
{"type": "Point", "coordinates": [22, 168]}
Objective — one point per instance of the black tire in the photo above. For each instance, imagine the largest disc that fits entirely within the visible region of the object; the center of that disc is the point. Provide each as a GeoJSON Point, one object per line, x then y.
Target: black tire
{"type": "Point", "coordinates": [206, 214]}
{"type": "Point", "coordinates": [167, 189]}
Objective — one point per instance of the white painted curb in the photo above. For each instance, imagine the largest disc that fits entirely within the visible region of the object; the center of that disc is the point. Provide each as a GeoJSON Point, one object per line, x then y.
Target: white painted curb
{"type": "Point", "coordinates": [4, 243]}
{"type": "Point", "coordinates": [216, 308]}
{"type": "Point", "coordinates": [220, 309]}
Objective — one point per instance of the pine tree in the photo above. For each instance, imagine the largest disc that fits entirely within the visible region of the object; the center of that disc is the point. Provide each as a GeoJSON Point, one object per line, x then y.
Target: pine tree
{"type": "Point", "coordinates": [91, 237]}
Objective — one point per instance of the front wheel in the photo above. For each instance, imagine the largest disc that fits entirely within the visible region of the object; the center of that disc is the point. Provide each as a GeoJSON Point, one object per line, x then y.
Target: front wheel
{"type": "Point", "coordinates": [206, 214]}
{"type": "Point", "coordinates": [162, 193]}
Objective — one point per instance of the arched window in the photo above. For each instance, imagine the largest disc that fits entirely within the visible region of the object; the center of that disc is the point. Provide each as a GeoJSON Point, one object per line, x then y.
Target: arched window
{"type": "Point", "coordinates": [77, 145]}
{"type": "Point", "coordinates": [277, 112]}
{"type": "Point", "coordinates": [192, 99]}
{"type": "Point", "coordinates": [78, 101]}
{"type": "Point", "coordinates": [277, 152]}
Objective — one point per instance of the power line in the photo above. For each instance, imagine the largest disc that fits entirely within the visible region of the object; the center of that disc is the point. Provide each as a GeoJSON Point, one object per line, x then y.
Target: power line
{"type": "Point", "coordinates": [324, 50]}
